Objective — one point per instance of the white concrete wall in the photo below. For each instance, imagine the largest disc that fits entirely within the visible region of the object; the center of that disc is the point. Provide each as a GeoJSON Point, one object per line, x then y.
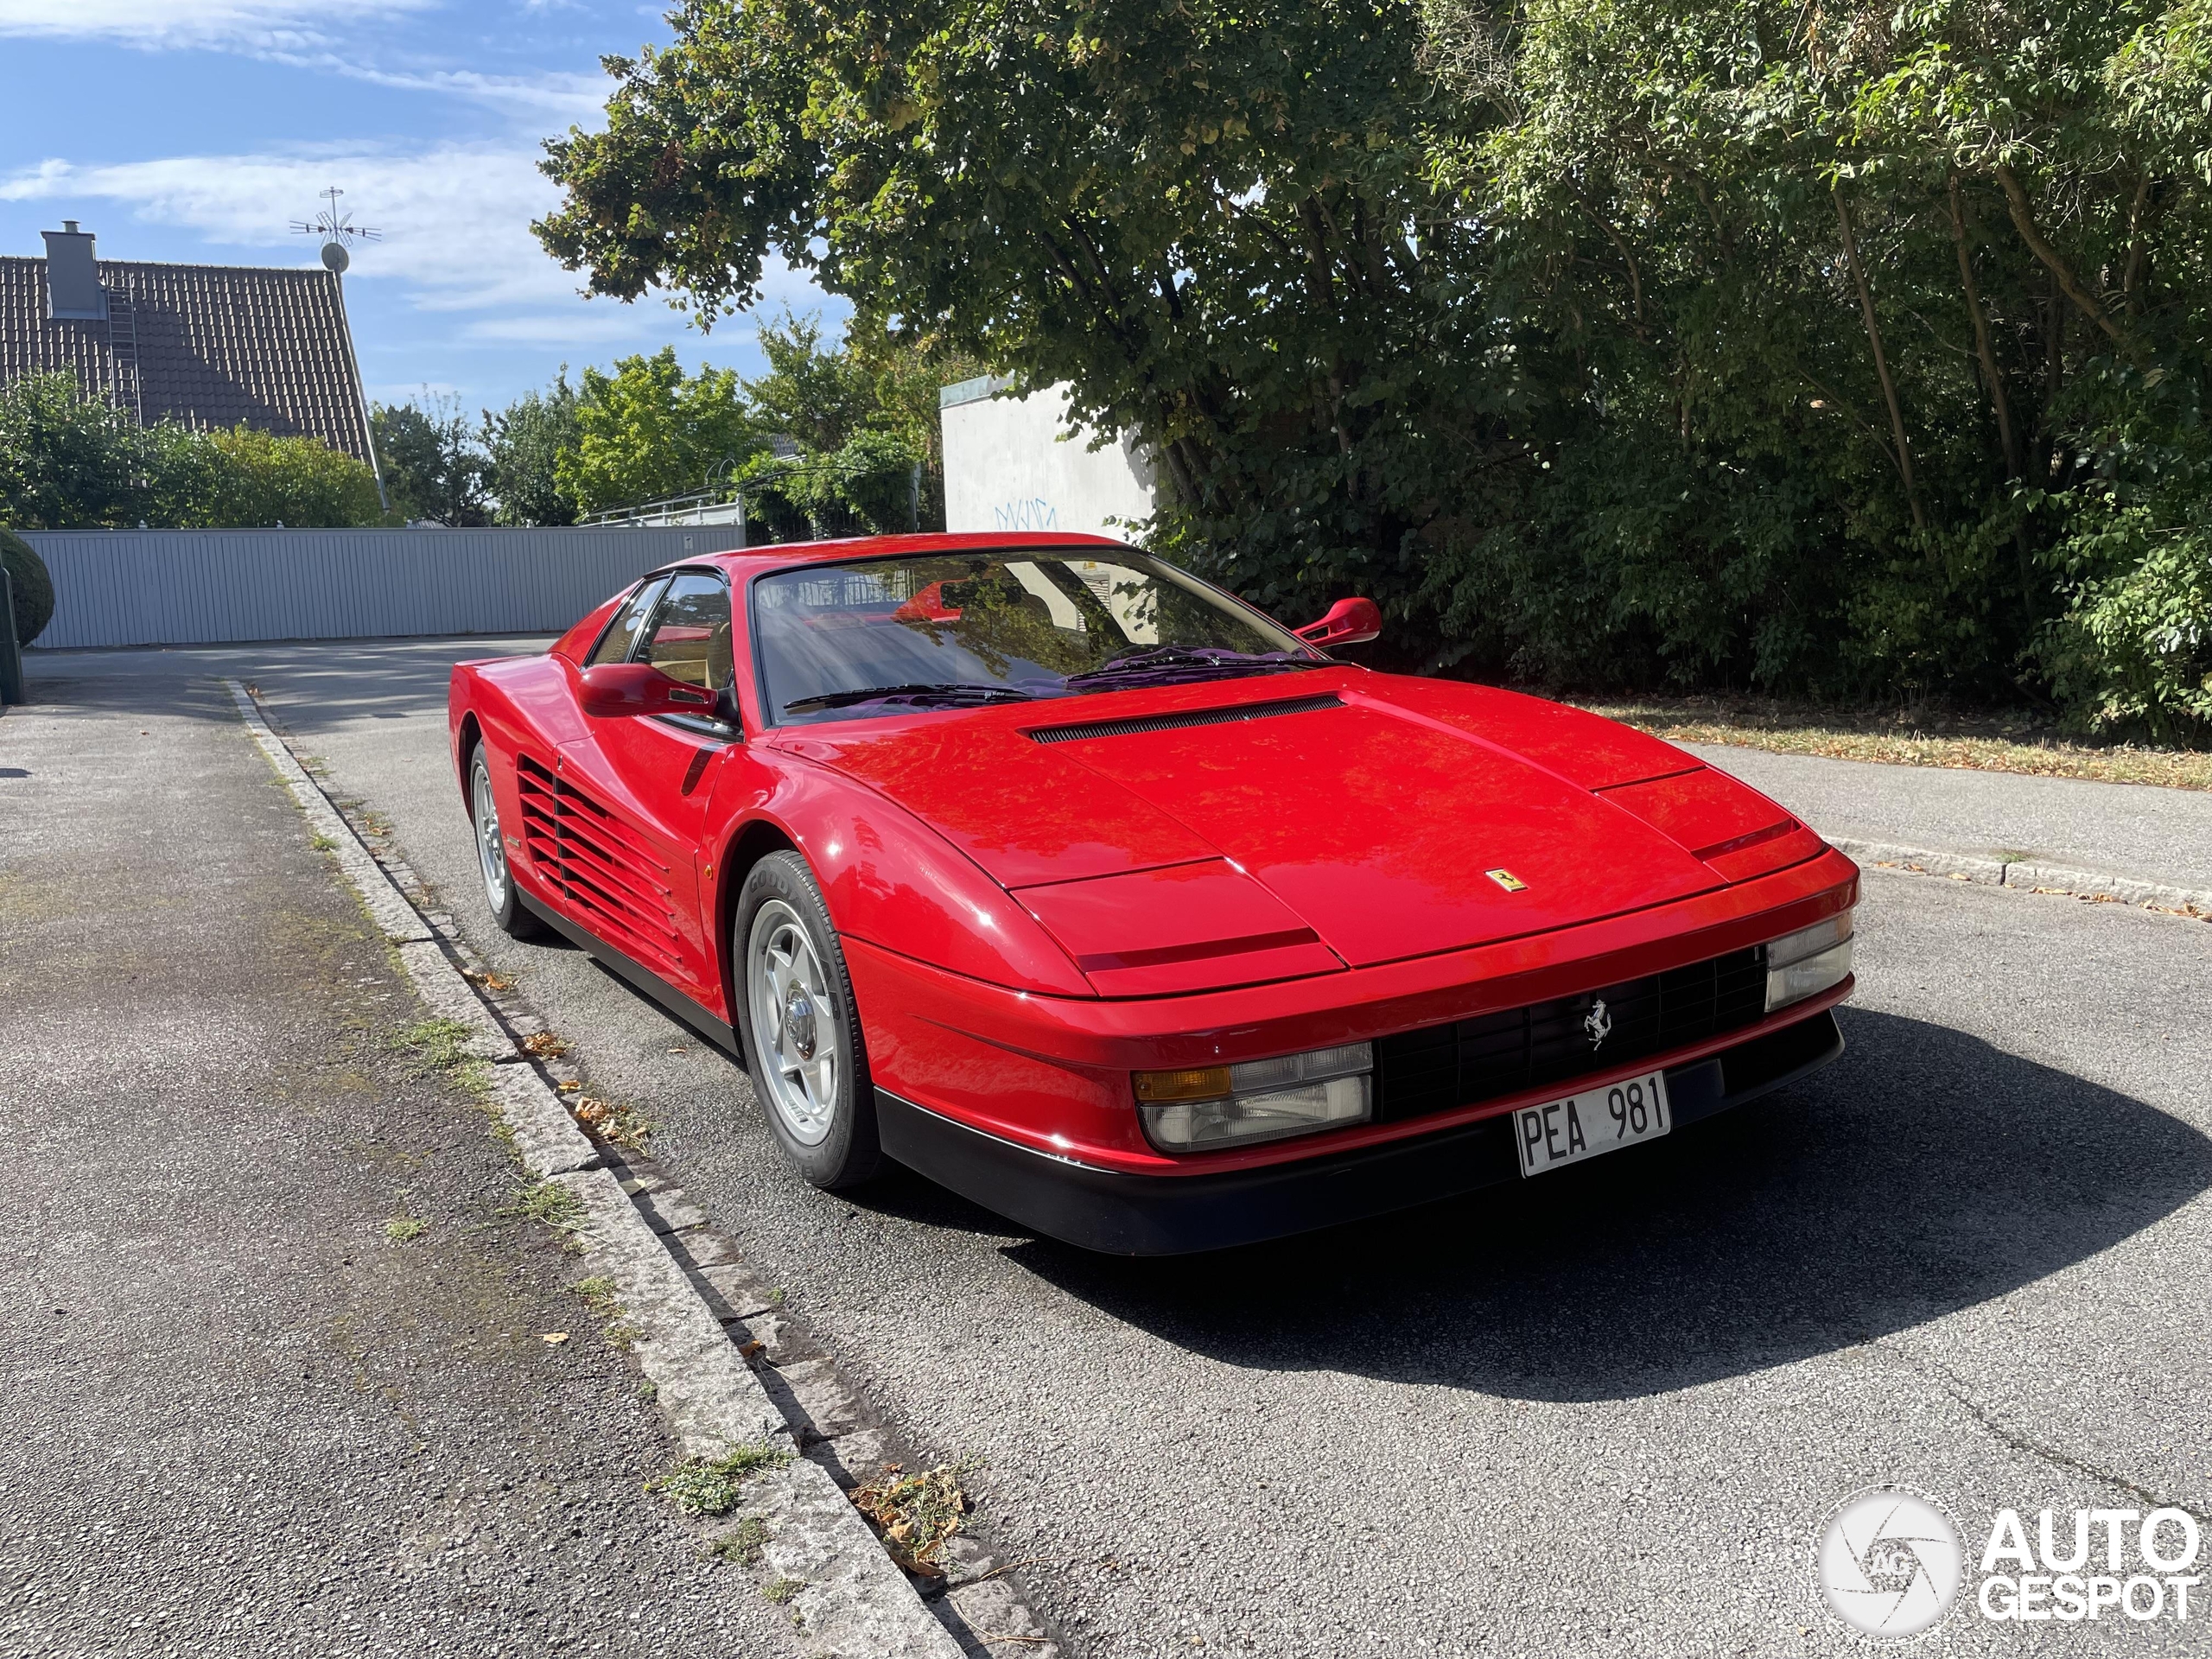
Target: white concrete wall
{"type": "Point", "coordinates": [1007, 467]}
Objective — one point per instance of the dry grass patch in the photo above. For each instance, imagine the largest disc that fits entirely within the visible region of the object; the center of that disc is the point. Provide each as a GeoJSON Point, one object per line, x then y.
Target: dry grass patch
{"type": "Point", "coordinates": [1910, 737]}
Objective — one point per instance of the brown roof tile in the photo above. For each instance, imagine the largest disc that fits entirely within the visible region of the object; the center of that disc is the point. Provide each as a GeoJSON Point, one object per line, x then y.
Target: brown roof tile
{"type": "Point", "coordinates": [216, 345]}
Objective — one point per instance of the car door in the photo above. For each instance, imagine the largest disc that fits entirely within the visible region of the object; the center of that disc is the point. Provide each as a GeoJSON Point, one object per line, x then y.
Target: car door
{"type": "Point", "coordinates": [637, 789]}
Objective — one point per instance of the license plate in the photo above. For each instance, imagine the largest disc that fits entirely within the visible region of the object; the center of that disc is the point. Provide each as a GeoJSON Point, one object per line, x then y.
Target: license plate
{"type": "Point", "coordinates": [1595, 1121]}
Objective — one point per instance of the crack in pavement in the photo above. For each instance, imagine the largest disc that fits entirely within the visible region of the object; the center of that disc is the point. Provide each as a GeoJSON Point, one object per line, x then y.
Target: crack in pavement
{"type": "Point", "coordinates": [1957, 1389]}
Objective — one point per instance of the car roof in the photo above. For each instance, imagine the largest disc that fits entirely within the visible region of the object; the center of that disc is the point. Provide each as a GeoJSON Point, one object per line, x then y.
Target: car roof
{"type": "Point", "coordinates": [743, 563]}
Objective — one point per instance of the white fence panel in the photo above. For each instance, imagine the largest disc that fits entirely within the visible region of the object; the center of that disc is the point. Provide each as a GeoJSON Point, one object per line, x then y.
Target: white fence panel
{"type": "Point", "coordinates": [219, 587]}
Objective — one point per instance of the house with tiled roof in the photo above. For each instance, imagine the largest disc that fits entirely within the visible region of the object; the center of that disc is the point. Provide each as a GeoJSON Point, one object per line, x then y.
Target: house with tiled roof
{"type": "Point", "coordinates": [208, 345]}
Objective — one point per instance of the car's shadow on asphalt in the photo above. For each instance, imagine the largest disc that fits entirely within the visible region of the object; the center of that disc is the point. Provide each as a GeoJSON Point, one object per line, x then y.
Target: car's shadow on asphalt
{"type": "Point", "coordinates": [1923, 1172]}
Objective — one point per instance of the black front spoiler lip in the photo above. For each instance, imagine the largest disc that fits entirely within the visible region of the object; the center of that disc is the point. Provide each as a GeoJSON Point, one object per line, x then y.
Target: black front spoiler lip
{"type": "Point", "coordinates": [1121, 1214]}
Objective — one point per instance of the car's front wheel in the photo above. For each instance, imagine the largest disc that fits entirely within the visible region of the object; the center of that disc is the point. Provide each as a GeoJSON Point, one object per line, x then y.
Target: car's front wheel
{"type": "Point", "coordinates": [803, 1037]}
{"type": "Point", "coordinates": [515, 918]}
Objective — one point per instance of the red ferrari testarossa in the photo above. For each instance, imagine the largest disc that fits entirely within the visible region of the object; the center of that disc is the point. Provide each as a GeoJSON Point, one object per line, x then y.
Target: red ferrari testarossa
{"type": "Point", "coordinates": [1093, 894]}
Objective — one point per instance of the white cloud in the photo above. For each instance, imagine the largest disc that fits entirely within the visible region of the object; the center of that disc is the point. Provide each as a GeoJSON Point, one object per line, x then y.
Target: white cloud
{"type": "Point", "coordinates": [455, 234]}
{"type": "Point", "coordinates": [455, 220]}
{"type": "Point", "coordinates": [322, 36]}
{"type": "Point", "coordinates": [267, 24]}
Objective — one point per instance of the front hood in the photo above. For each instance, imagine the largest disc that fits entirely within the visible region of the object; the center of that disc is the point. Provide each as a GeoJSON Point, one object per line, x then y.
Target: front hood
{"type": "Point", "coordinates": [1392, 817]}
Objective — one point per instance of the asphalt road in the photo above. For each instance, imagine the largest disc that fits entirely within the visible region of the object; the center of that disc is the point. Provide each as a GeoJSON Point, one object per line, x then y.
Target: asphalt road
{"type": "Point", "coordinates": [1605, 1413]}
{"type": "Point", "coordinates": [238, 1418]}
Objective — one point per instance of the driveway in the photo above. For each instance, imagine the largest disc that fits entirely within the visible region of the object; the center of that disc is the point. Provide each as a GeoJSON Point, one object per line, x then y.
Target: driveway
{"type": "Point", "coordinates": [1602, 1414]}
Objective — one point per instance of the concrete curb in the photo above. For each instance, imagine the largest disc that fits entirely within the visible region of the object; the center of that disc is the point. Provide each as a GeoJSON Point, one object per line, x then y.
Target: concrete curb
{"type": "Point", "coordinates": [852, 1599]}
{"type": "Point", "coordinates": [2026, 876]}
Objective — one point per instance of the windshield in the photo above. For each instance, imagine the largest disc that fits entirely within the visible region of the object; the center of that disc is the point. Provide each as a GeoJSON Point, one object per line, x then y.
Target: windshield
{"type": "Point", "coordinates": [941, 630]}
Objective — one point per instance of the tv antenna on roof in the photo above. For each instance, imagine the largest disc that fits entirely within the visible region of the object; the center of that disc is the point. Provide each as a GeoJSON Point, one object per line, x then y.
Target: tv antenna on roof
{"type": "Point", "coordinates": [338, 231]}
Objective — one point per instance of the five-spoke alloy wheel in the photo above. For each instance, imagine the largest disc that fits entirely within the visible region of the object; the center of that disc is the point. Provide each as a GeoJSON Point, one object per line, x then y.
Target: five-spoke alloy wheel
{"type": "Point", "coordinates": [803, 1032]}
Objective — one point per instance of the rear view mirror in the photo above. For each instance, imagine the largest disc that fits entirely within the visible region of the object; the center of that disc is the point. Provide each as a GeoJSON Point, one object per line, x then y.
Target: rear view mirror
{"type": "Point", "coordinates": [616, 689]}
{"type": "Point", "coordinates": [1350, 622]}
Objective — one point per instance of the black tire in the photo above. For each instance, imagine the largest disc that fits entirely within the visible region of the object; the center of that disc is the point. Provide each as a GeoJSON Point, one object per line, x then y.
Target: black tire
{"type": "Point", "coordinates": [779, 897]}
{"type": "Point", "coordinates": [501, 897]}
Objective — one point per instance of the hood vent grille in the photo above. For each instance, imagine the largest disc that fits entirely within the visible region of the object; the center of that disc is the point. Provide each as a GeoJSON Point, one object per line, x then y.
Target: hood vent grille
{"type": "Point", "coordinates": [1196, 717]}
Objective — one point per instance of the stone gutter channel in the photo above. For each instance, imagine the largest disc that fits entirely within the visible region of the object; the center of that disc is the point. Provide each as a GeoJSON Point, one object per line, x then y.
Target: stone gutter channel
{"type": "Point", "coordinates": [730, 1366]}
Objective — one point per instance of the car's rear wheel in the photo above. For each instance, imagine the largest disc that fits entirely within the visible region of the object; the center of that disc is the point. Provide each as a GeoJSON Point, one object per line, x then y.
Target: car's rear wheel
{"type": "Point", "coordinates": [507, 907]}
{"type": "Point", "coordinates": [803, 1036]}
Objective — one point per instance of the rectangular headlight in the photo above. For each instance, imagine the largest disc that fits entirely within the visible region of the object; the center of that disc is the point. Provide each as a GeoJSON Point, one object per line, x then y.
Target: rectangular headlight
{"type": "Point", "coordinates": [1260, 1100]}
{"type": "Point", "coordinates": [1808, 962]}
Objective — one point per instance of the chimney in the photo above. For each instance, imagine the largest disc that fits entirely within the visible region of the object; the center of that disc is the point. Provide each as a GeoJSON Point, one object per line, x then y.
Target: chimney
{"type": "Point", "coordinates": [72, 274]}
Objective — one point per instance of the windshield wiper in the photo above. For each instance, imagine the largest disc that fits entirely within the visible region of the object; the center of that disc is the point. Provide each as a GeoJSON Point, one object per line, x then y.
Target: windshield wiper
{"type": "Point", "coordinates": [1179, 662]}
{"type": "Point", "coordinates": [944, 691]}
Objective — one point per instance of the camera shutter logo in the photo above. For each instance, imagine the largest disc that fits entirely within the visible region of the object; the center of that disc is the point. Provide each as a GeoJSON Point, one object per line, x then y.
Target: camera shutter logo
{"type": "Point", "coordinates": [1890, 1563]}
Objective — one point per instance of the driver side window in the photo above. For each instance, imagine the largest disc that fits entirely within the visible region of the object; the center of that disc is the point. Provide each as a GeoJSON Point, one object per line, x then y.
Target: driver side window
{"type": "Point", "coordinates": [690, 636]}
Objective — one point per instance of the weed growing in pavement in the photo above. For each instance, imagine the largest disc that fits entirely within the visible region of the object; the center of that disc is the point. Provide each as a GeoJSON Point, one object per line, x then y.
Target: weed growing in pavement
{"type": "Point", "coordinates": [549, 1205]}
{"type": "Point", "coordinates": [437, 1045]}
{"type": "Point", "coordinates": [402, 1230]}
{"type": "Point", "coordinates": [783, 1590]}
{"type": "Point", "coordinates": [917, 1514]}
{"type": "Point", "coordinates": [648, 1390]}
{"type": "Point", "coordinates": [744, 1542]}
{"type": "Point", "coordinates": [711, 1485]}
{"type": "Point", "coordinates": [598, 1292]}
{"type": "Point", "coordinates": [775, 1296]}
{"type": "Point", "coordinates": [323, 843]}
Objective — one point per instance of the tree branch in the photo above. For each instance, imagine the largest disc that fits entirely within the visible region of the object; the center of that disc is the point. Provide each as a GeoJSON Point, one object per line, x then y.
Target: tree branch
{"type": "Point", "coordinates": [1981, 346]}
{"type": "Point", "coordinates": [1635, 277]}
{"type": "Point", "coordinates": [2138, 244]}
{"type": "Point", "coordinates": [1904, 455]}
{"type": "Point", "coordinates": [2024, 221]}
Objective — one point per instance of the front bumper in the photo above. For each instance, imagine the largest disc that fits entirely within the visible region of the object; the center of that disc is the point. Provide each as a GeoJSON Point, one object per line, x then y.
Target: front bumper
{"type": "Point", "coordinates": [1125, 1214]}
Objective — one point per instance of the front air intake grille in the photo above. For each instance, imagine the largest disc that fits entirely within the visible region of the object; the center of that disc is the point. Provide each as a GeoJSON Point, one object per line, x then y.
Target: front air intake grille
{"type": "Point", "coordinates": [1196, 717]}
{"type": "Point", "coordinates": [614, 885]}
{"type": "Point", "coordinates": [1440, 1067]}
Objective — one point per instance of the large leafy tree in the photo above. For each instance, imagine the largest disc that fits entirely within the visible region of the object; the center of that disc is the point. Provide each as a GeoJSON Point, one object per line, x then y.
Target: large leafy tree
{"type": "Point", "coordinates": [522, 448]}
{"type": "Point", "coordinates": [1212, 222]}
{"type": "Point", "coordinates": [434, 469]}
{"type": "Point", "coordinates": [1848, 347]}
{"type": "Point", "coordinates": [649, 431]}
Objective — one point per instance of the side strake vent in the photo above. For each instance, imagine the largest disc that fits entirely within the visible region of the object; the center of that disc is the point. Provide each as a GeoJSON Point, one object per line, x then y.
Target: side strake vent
{"type": "Point", "coordinates": [1196, 717]}
{"type": "Point", "coordinates": [617, 887]}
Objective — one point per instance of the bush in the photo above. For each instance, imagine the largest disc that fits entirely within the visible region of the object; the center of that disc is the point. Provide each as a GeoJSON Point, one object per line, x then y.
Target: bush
{"type": "Point", "coordinates": [243, 478]}
{"type": "Point", "coordinates": [34, 586]}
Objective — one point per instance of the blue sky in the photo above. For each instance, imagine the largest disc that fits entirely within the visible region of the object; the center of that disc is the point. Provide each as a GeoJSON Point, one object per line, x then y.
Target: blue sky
{"type": "Point", "coordinates": [197, 129]}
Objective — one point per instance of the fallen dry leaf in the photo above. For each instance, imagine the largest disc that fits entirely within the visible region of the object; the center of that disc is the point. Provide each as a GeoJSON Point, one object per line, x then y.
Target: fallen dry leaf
{"type": "Point", "coordinates": [552, 1338]}
{"type": "Point", "coordinates": [545, 1045]}
{"type": "Point", "coordinates": [915, 1515]}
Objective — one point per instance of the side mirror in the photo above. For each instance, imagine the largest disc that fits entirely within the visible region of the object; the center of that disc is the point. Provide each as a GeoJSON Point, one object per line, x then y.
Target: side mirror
{"type": "Point", "coordinates": [616, 689]}
{"type": "Point", "coordinates": [1350, 622]}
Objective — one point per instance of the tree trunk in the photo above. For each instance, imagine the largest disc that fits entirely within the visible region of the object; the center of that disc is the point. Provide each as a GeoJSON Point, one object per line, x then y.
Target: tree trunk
{"type": "Point", "coordinates": [1981, 336]}
{"type": "Point", "coordinates": [2016, 200]}
{"type": "Point", "coordinates": [1904, 456]}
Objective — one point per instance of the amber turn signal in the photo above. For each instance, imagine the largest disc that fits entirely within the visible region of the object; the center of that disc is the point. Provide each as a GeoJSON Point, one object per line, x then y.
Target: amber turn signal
{"type": "Point", "coordinates": [1206, 1083]}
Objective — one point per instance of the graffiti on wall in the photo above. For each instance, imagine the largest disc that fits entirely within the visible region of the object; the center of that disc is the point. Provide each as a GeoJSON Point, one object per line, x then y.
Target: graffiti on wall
{"type": "Point", "coordinates": [1035, 513]}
